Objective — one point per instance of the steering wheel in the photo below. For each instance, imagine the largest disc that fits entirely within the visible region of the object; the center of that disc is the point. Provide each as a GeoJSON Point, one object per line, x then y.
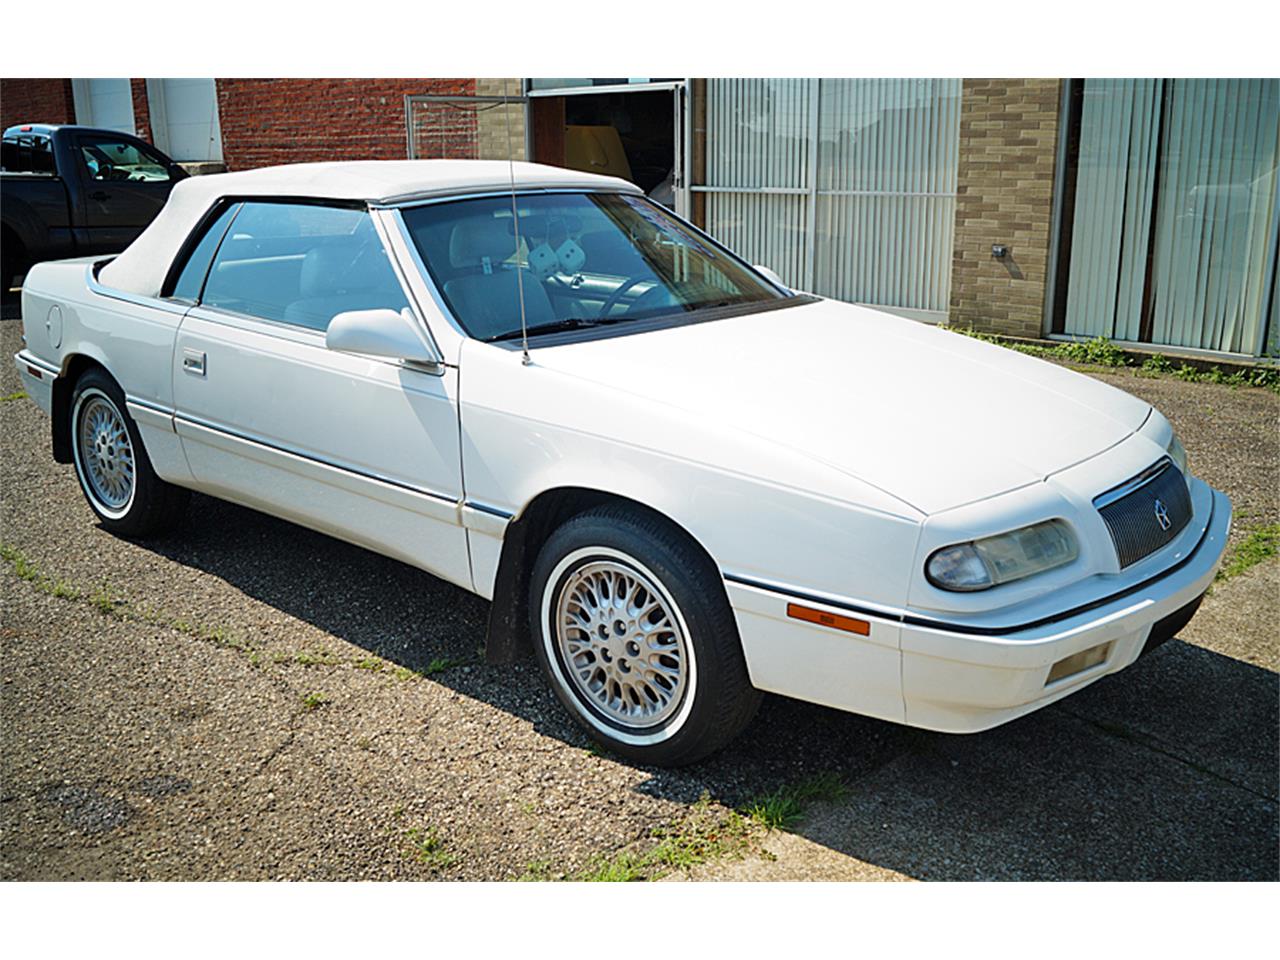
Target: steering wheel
{"type": "Point", "coordinates": [617, 295]}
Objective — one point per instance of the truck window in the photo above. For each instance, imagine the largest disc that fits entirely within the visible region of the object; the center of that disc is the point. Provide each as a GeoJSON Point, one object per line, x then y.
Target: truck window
{"type": "Point", "coordinates": [107, 158]}
{"type": "Point", "coordinates": [27, 154]}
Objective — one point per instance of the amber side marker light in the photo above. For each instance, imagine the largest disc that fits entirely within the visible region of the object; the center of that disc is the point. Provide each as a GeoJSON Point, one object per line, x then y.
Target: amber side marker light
{"type": "Point", "coordinates": [824, 619]}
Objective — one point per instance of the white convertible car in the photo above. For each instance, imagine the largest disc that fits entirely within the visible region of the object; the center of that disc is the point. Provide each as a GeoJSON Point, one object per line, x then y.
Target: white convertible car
{"type": "Point", "coordinates": [695, 485]}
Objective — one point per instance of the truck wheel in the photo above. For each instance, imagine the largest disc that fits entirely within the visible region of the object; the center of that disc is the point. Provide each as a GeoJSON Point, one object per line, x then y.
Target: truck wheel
{"type": "Point", "coordinates": [112, 466]}
{"type": "Point", "coordinates": [633, 629]}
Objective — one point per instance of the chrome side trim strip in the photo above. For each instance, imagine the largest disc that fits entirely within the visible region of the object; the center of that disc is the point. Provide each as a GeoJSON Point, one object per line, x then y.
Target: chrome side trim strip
{"type": "Point", "coordinates": [485, 519]}
{"type": "Point", "coordinates": [182, 418]}
{"type": "Point", "coordinates": [151, 414]}
{"type": "Point", "coordinates": [31, 360]}
{"type": "Point", "coordinates": [485, 508]}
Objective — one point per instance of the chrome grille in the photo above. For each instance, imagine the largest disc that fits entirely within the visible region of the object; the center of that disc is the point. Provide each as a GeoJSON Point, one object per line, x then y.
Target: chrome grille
{"type": "Point", "coordinates": [1145, 513]}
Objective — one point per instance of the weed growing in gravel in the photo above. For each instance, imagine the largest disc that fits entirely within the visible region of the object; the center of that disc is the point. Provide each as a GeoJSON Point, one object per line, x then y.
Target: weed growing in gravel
{"type": "Point", "coordinates": [537, 871]}
{"type": "Point", "coordinates": [441, 664]}
{"type": "Point", "coordinates": [786, 806]}
{"type": "Point", "coordinates": [313, 701]}
{"type": "Point", "coordinates": [10, 397]}
{"type": "Point", "coordinates": [404, 673]}
{"type": "Point", "coordinates": [320, 658]}
{"type": "Point", "coordinates": [706, 834]}
{"type": "Point", "coordinates": [105, 601]}
{"type": "Point", "coordinates": [64, 590]}
{"type": "Point", "coordinates": [369, 663]}
{"type": "Point", "coordinates": [1261, 544]}
{"type": "Point", "coordinates": [426, 847]}
{"type": "Point", "coordinates": [22, 566]}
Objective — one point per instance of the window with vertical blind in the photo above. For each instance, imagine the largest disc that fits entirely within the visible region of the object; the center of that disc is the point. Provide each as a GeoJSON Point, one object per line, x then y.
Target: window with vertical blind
{"type": "Point", "coordinates": [845, 187]}
{"type": "Point", "coordinates": [1169, 225]}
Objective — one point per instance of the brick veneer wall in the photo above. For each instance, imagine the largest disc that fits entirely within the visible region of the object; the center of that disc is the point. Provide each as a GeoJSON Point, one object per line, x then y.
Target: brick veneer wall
{"type": "Point", "coordinates": [141, 110]}
{"type": "Point", "coordinates": [266, 122]}
{"type": "Point", "coordinates": [492, 123]}
{"type": "Point", "coordinates": [1008, 143]}
{"type": "Point", "coordinates": [36, 101]}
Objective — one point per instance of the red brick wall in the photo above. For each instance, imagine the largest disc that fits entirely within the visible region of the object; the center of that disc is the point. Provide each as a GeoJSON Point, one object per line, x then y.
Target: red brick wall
{"type": "Point", "coordinates": [141, 110]}
{"type": "Point", "coordinates": [266, 122]}
{"type": "Point", "coordinates": [36, 101]}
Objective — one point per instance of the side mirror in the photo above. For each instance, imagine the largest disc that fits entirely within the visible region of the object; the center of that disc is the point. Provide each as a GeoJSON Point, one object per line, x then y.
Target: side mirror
{"type": "Point", "coordinates": [770, 276]}
{"type": "Point", "coordinates": [379, 333]}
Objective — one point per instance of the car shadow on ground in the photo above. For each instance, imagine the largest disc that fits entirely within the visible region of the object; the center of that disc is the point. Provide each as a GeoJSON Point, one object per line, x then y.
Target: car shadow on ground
{"type": "Point", "coordinates": [1167, 770]}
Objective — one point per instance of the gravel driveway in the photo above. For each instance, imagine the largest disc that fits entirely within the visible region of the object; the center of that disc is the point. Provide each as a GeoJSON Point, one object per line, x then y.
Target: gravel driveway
{"type": "Point", "coordinates": [250, 700]}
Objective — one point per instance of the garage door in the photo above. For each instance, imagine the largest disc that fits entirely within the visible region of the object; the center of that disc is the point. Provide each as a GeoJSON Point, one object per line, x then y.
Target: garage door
{"type": "Point", "coordinates": [184, 118]}
{"type": "Point", "coordinates": [104, 102]}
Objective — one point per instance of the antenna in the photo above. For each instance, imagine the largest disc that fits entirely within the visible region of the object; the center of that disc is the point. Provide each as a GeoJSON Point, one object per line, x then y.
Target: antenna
{"type": "Point", "coordinates": [515, 219]}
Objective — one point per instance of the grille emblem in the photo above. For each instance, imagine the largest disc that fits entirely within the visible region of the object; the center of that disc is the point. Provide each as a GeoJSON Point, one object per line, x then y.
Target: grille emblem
{"type": "Point", "coordinates": [1162, 514]}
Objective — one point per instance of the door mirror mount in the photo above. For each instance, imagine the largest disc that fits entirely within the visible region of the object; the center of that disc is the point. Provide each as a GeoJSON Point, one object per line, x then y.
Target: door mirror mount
{"type": "Point", "coordinates": [380, 333]}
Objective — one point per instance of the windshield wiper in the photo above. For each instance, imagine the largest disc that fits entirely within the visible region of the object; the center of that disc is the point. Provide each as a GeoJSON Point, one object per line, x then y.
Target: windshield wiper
{"type": "Point", "coordinates": [554, 326]}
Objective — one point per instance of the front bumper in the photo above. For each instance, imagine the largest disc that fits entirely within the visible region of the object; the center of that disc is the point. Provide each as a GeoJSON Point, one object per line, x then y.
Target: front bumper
{"type": "Point", "coordinates": [961, 683]}
{"type": "Point", "coordinates": [963, 678]}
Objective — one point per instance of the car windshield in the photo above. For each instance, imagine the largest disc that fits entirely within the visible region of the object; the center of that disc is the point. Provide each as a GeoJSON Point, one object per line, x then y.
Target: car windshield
{"type": "Point", "coordinates": [586, 259]}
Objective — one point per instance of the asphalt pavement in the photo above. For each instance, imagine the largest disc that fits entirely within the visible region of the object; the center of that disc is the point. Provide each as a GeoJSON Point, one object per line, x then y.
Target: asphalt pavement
{"type": "Point", "coordinates": [250, 700]}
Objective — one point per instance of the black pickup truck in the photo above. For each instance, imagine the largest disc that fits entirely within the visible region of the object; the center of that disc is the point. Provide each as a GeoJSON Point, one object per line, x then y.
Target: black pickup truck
{"type": "Point", "coordinates": [68, 191]}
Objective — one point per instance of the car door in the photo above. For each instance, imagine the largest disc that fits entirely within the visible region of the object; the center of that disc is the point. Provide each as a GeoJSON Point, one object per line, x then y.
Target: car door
{"type": "Point", "coordinates": [123, 187]}
{"type": "Point", "coordinates": [361, 448]}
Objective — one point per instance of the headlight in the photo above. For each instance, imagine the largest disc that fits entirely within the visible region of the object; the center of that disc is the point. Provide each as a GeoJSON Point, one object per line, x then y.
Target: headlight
{"type": "Point", "coordinates": [1178, 454]}
{"type": "Point", "coordinates": [983, 564]}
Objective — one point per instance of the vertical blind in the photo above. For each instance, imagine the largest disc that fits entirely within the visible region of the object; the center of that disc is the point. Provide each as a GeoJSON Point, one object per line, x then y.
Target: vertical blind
{"type": "Point", "coordinates": [846, 187]}
{"type": "Point", "coordinates": [1174, 231]}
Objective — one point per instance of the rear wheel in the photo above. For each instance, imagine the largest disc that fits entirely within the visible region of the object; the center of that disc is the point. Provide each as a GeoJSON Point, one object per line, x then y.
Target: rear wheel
{"type": "Point", "coordinates": [111, 464]}
{"type": "Point", "coordinates": [635, 634]}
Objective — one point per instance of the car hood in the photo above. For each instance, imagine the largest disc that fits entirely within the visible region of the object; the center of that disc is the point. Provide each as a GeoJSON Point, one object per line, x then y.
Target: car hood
{"type": "Point", "coordinates": [933, 418]}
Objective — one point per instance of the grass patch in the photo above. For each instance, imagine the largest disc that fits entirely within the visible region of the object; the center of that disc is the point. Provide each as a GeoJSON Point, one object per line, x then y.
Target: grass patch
{"type": "Point", "coordinates": [425, 846]}
{"type": "Point", "coordinates": [64, 590]}
{"type": "Point", "coordinates": [105, 601]}
{"type": "Point", "coordinates": [314, 701]}
{"type": "Point", "coordinates": [369, 663]}
{"type": "Point", "coordinates": [786, 806]}
{"type": "Point", "coordinates": [321, 658]}
{"type": "Point", "coordinates": [1101, 352]}
{"type": "Point", "coordinates": [537, 871]}
{"type": "Point", "coordinates": [404, 673]}
{"type": "Point", "coordinates": [707, 833]}
{"type": "Point", "coordinates": [10, 397]}
{"type": "Point", "coordinates": [441, 664]}
{"type": "Point", "coordinates": [23, 567]}
{"type": "Point", "coordinates": [1262, 544]}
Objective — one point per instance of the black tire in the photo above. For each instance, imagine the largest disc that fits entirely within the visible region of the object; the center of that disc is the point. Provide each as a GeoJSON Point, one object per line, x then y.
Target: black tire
{"type": "Point", "coordinates": [711, 704]}
{"type": "Point", "coordinates": [151, 506]}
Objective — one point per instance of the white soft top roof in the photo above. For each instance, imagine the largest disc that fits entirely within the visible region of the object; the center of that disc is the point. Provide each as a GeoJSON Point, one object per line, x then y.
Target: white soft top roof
{"type": "Point", "coordinates": [142, 267]}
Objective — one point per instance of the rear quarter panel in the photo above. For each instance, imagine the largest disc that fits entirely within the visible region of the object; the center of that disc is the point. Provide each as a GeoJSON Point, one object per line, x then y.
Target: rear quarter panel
{"type": "Point", "coordinates": [131, 339]}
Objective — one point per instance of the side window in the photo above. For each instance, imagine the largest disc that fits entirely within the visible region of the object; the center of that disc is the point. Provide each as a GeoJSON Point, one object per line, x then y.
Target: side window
{"type": "Point", "coordinates": [42, 155]}
{"type": "Point", "coordinates": [108, 158]}
{"type": "Point", "coordinates": [13, 157]}
{"type": "Point", "coordinates": [302, 264]}
{"type": "Point", "coordinates": [27, 154]}
{"type": "Point", "coordinates": [191, 279]}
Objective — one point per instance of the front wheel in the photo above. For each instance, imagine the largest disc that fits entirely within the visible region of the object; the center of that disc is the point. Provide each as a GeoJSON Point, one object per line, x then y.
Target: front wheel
{"type": "Point", "coordinates": [635, 634]}
{"type": "Point", "coordinates": [112, 466]}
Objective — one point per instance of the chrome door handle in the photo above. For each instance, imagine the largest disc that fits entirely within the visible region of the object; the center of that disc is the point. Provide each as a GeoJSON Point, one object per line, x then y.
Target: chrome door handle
{"type": "Point", "coordinates": [193, 362]}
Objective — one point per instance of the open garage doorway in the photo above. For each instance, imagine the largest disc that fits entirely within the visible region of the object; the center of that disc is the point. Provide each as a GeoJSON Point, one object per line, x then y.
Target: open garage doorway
{"type": "Point", "coordinates": [633, 131]}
